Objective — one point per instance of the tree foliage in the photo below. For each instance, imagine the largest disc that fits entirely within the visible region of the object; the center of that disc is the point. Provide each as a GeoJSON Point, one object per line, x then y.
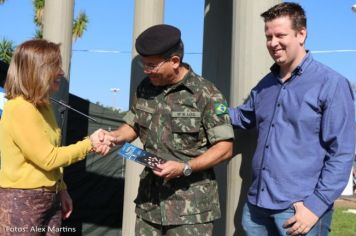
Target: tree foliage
{"type": "Point", "coordinates": [79, 23]}
{"type": "Point", "coordinates": [6, 50]}
{"type": "Point", "coordinates": [38, 7]}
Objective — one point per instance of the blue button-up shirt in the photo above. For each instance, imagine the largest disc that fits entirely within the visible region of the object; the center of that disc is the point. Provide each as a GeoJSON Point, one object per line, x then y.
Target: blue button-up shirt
{"type": "Point", "coordinates": [306, 137]}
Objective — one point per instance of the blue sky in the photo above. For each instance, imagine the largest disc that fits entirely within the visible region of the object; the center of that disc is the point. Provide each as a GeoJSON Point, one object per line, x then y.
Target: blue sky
{"type": "Point", "coordinates": [331, 27]}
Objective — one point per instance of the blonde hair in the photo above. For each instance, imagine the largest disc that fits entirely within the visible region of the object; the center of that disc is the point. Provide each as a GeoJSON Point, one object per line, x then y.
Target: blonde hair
{"type": "Point", "coordinates": [33, 67]}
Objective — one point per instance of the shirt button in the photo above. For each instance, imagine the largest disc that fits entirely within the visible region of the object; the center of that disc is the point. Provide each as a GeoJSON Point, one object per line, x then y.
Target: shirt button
{"type": "Point", "coordinates": [262, 189]}
{"type": "Point", "coordinates": [267, 146]}
{"type": "Point", "coordinates": [272, 125]}
{"type": "Point", "coordinates": [263, 168]}
{"type": "Point", "coordinates": [278, 105]}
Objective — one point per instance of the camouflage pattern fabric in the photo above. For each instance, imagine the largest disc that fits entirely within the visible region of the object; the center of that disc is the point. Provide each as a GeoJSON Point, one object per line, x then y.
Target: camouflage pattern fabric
{"type": "Point", "coordinates": [179, 123]}
{"type": "Point", "coordinates": [29, 212]}
{"type": "Point", "coordinates": [145, 228]}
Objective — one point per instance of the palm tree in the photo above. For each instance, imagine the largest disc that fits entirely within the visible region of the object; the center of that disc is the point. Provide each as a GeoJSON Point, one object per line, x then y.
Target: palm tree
{"type": "Point", "coordinates": [39, 34]}
{"type": "Point", "coordinates": [6, 50]}
{"type": "Point", "coordinates": [38, 6]}
{"type": "Point", "coordinates": [79, 23]}
{"type": "Point", "coordinates": [79, 27]}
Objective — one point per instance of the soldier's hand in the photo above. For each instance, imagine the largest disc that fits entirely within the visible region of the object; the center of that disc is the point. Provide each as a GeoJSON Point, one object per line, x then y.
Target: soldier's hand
{"type": "Point", "coordinates": [170, 170]}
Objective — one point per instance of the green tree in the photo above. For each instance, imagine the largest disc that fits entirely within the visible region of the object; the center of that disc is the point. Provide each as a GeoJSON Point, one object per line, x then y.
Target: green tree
{"type": "Point", "coordinates": [79, 27]}
{"type": "Point", "coordinates": [38, 7]}
{"type": "Point", "coordinates": [79, 23]}
{"type": "Point", "coordinates": [6, 50]}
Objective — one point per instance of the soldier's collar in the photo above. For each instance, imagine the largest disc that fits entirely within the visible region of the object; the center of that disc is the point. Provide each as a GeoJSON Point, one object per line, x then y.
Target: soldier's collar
{"type": "Point", "coordinates": [186, 81]}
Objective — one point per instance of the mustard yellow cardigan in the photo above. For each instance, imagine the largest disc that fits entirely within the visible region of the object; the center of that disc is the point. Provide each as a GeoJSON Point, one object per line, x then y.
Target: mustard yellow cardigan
{"type": "Point", "coordinates": [29, 152]}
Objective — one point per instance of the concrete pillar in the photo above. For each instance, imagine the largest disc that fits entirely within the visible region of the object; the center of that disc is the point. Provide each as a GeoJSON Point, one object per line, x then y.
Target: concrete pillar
{"type": "Point", "coordinates": [250, 62]}
{"type": "Point", "coordinates": [235, 58]}
{"type": "Point", "coordinates": [57, 28]}
{"type": "Point", "coordinates": [217, 68]}
{"type": "Point", "coordinates": [147, 13]}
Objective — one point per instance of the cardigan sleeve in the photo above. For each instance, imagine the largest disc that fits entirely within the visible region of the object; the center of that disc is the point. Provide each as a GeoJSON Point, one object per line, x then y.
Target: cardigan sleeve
{"type": "Point", "coordinates": [31, 138]}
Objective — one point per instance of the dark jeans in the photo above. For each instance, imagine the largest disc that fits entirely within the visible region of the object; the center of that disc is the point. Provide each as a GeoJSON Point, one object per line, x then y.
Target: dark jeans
{"type": "Point", "coordinates": [265, 222]}
{"type": "Point", "coordinates": [29, 212]}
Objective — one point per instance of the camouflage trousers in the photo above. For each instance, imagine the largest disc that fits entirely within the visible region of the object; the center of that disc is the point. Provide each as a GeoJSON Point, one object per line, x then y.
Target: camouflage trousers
{"type": "Point", "coordinates": [29, 212]}
{"type": "Point", "coordinates": [145, 228]}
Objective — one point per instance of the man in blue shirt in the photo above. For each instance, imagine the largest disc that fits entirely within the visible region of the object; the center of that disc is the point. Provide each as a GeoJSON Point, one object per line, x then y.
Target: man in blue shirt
{"type": "Point", "coordinates": [304, 115]}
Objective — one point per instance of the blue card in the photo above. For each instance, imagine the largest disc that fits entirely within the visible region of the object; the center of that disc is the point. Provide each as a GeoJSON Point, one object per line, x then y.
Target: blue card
{"type": "Point", "coordinates": [134, 153]}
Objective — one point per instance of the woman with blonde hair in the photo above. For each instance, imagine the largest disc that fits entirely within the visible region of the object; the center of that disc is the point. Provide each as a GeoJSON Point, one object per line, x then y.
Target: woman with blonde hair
{"type": "Point", "coordinates": [32, 191]}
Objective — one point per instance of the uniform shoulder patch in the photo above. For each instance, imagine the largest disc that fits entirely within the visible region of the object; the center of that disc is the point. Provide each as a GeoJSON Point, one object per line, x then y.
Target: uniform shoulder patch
{"type": "Point", "coordinates": [220, 108]}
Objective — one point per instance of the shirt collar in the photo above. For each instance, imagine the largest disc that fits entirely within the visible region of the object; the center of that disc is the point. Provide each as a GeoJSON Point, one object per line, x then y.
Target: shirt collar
{"type": "Point", "coordinates": [187, 81]}
{"type": "Point", "coordinates": [298, 70]}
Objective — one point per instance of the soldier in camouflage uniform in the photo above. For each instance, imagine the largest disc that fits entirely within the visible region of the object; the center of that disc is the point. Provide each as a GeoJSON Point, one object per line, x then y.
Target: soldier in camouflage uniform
{"type": "Point", "coordinates": [180, 117]}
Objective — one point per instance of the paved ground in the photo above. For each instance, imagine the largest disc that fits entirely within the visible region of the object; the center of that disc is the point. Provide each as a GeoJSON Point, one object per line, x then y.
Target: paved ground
{"type": "Point", "coordinates": [346, 202]}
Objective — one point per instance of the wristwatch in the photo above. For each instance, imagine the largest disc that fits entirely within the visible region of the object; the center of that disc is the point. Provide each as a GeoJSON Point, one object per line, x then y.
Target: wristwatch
{"type": "Point", "coordinates": [187, 170]}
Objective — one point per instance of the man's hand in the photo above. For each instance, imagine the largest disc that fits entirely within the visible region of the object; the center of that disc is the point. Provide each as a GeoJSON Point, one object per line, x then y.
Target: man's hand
{"type": "Point", "coordinates": [102, 141]}
{"type": "Point", "coordinates": [170, 170]}
{"type": "Point", "coordinates": [302, 221]}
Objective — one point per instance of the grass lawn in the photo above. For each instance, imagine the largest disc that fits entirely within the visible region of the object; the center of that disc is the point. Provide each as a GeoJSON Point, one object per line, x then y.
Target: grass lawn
{"type": "Point", "coordinates": [343, 224]}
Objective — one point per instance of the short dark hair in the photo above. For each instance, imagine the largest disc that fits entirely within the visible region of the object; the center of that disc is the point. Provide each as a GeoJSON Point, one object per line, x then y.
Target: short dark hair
{"type": "Point", "coordinates": [295, 12]}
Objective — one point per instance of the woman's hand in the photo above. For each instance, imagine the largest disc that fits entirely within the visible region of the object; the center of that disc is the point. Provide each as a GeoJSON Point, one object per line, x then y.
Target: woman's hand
{"type": "Point", "coordinates": [102, 141]}
{"type": "Point", "coordinates": [66, 203]}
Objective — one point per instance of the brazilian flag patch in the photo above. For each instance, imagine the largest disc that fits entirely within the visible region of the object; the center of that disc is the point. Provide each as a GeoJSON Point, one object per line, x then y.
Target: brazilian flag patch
{"type": "Point", "coordinates": [220, 108]}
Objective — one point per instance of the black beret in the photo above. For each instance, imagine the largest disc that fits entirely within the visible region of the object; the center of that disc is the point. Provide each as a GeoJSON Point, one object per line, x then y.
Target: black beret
{"type": "Point", "coordinates": [157, 40]}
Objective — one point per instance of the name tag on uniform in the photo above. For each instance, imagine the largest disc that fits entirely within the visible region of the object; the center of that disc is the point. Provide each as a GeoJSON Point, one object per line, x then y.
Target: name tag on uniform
{"type": "Point", "coordinates": [186, 114]}
{"type": "Point", "coordinates": [145, 108]}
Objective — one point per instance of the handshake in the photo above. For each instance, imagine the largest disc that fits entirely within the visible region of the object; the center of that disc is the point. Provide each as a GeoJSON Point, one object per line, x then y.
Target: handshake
{"type": "Point", "coordinates": [102, 141]}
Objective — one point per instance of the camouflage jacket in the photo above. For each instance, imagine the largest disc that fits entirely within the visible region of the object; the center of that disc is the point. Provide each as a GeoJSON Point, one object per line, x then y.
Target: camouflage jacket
{"type": "Point", "coordinates": [179, 122]}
